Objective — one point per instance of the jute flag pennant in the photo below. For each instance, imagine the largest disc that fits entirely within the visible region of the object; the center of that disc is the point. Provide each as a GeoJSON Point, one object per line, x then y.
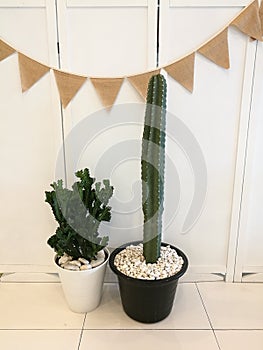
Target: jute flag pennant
{"type": "Point", "coordinates": [216, 50]}
{"type": "Point", "coordinates": [248, 21]}
{"type": "Point", "coordinates": [183, 71]}
{"type": "Point", "coordinates": [5, 50]}
{"type": "Point", "coordinates": [107, 89]}
{"type": "Point", "coordinates": [261, 16]}
{"type": "Point", "coordinates": [68, 85]}
{"type": "Point", "coordinates": [140, 81]}
{"type": "Point", "coordinates": [30, 71]}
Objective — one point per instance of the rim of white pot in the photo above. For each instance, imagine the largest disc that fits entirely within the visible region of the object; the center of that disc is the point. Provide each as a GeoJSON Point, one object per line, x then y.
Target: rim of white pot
{"type": "Point", "coordinates": [83, 271]}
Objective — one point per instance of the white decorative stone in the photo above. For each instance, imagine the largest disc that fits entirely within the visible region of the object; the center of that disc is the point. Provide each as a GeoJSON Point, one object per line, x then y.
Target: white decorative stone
{"type": "Point", "coordinates": [71, 267]}
{"type": "Point", "coordinates": [131, 262]}
{"type": "Point", "coordinates": [75, 262]}
{"type": "Point", "coordinates": [64, 259]}
{"type": "Point", "coordinates": [68, 263]}
{"type": "Point", "coordinates": [85, 267]}
{"type": "Point", "coordinates": [83, 261]}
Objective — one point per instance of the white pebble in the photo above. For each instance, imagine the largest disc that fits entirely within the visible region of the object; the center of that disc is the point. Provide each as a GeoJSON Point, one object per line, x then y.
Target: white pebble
{"type": "Point", "coordinates": [131, 262]}
{"type": "Point", "coordinates": [75, 262]}
{"type": "Point", "coordinates": [70, 267]}
{"type": "Point", "coordinates": [83, 261]}
{"type": "Point", "coordinates": [63, 259]}
{"type": "Point", "coordinates": [85, 267]}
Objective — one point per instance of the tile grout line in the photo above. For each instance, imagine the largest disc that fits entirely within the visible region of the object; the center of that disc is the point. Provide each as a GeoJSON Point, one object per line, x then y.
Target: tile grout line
{"type": "Point", "coordinates": [239, 329]}
{"type": "Point", "coordinates": [81, 332]}
{"type": "Point", "coordinates": [207, 315]}
{"type": "Point", "coordinates": [148, 329]}
{"type": "Point", "coordinates": [132, 329]}
{"type": "Point", "coordinates": [40, 329]}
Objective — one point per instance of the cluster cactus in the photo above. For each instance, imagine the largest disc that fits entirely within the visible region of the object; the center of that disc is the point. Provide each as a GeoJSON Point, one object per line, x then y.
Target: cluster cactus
{"type": "Point", "coordinates": [152, 167]}
{"type": "Point", "coordinates": [79, 212]}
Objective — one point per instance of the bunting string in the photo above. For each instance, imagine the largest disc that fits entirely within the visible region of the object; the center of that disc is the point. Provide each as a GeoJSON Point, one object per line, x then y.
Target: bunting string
{"type": "Point", "coordinates": [249, 21]}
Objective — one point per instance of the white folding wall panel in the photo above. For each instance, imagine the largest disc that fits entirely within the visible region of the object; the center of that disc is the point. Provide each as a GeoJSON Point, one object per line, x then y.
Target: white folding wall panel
{"type": "Point", "coordinates": [213, 115]}
{"type": "Point", "coordinates": [249, 263]}
{"type": "Point", "coordinates": [206, 130]}
{"type": "Point", "coordinates": [108, 39]}
{"type": "Point", "coordinates": [105, 39]}
{"type": "Point", "coordinates": [30, 135]}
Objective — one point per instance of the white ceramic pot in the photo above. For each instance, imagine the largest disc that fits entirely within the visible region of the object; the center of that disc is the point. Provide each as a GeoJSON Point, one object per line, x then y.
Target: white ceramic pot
{"type": "Point", "coordinates": [83, 289]}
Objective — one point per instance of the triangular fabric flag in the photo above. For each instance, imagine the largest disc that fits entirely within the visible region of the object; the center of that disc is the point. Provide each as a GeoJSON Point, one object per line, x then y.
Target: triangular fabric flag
{"type": "Point", "coordinates": [30, 71]}
{"type": "Point", "coordinates": [107, 89]}
{"type": "Point", "coordinates": [216, 50]}
{"type": "Point", "coordinates": [140, 81]}
{"type": "Point", "coordinates": [68, 85]}
{"type": "Point", "coordinates": [183, 71]}
{"type": "Point", "coordinates": [248, 21]}
{"type": "Point", "coordinates": [5, 50]}
{"type": "Point", "coordinates": [261, 16]}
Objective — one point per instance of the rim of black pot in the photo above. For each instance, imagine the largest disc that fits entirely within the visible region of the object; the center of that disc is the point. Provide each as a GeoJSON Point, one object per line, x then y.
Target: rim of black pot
{"type": "Point", "coordinates": [148, 282]}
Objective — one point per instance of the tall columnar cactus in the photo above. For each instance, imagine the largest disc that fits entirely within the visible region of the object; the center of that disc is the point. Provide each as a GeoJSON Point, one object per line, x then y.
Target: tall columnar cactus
{"type": "Point", "coordinates": [152, 167]}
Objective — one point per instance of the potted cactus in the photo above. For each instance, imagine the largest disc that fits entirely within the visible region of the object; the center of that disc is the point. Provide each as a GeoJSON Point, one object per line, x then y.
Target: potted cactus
{"type": "Point", "coordinates": [81, 254]}
{"type": "Point", "coordinates": [148, 271]}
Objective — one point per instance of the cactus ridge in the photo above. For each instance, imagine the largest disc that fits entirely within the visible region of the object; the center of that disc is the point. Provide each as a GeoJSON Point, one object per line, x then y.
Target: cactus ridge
{"type": "Point", "coordinates": [152, 167]}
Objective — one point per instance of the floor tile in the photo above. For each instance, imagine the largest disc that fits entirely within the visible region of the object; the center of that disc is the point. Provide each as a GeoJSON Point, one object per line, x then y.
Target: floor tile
{"type": "Point", "coordinates": [30, 277]}
{"type": "Point", "coordinates": [36, 306]}
{"type": "Point", "coordinates": [40, 340]}
{"type": "Point", "coordinates": [241, 340]}
{"type": "Point", "coordinates": [148, 339]}
{"type": "Point", "coordinates": [233, 305]}
{"type": "Point", "coordinates": [187, 313]}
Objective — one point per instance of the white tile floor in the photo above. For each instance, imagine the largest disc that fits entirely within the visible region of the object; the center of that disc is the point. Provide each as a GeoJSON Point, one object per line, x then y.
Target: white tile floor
{"type": "Point", "coordinates": [207, 316]}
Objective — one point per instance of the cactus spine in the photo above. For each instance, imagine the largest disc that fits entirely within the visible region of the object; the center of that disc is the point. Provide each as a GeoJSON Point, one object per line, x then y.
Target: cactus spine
{"type": "Point", "coordinates": [152, 167]}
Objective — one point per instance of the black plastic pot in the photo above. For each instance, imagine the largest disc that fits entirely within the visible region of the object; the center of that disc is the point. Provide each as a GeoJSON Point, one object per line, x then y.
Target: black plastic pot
{"type": "Point", "coordinates": [147, 301]}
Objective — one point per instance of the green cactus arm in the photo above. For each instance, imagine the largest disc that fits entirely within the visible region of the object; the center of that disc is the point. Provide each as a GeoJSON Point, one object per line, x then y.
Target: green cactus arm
{"type": "Point", "coordinates": [79, 212]}
{"type": "Point", "coordinates": [57, 199]}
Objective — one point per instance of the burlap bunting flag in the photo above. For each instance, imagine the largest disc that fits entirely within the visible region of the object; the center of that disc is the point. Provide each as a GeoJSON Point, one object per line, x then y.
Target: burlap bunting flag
{"type": "Point", "coordinates": [107, 89]}
{"type": "Point", "coordinates": [248, 21]}
{"type": "Point", "coordinates": [30, 71]}
{"type": "Point", "coordinates": [216, 50]}
{"type": "Point", "coordinates": [68, 85]}
{"type": "Point", "coordinates": [261, 16]}
{"type": "Point", "coordinates": [5, 50]}
{"type": "Point", "coordinates": [183, 71]}
{"type": "Point", "coordinates": [140, 81]}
